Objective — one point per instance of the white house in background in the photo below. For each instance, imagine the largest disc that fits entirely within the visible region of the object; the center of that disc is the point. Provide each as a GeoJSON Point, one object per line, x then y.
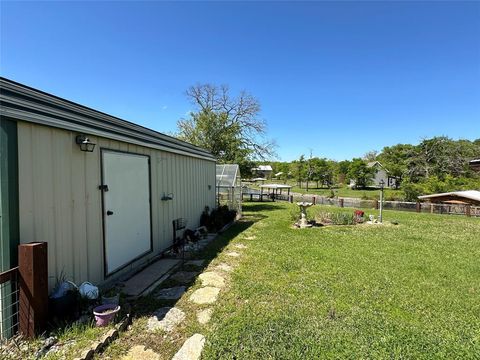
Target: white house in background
{"type": "Point", "coordinates": [380, 173]}
{"type": "Point", "coordinates": [263, 171]}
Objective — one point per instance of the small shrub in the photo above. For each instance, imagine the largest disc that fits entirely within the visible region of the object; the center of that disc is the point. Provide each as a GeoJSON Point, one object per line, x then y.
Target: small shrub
{"type": "Point", "coordinates": [220, 217]}
{"type": "Point", "coordinates": [343, 218]}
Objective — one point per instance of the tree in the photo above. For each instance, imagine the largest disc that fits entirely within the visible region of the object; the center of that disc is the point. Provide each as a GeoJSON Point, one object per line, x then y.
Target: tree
{"type": "Point", "coordinates": [370, 156]}
{"type": "Point", "coordinates": [342, 170]}
{"type": "Point", "coordinates": [298, 169]}
{"type": "Point", "coordinates": [322, 171]}
{"type": "Point", "coordinates": [360, 173]}
{"type": "Point", "coordinates": [396, 160]}
{"type": "Point", "coordinates": [227, 126]}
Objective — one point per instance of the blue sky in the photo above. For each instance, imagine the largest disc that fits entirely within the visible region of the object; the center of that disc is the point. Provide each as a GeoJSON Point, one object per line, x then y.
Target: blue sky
{"type": "Point", "coordinates": [337, 78]}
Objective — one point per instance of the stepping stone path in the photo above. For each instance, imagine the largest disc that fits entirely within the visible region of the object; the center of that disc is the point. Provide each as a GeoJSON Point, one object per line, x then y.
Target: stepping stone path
{"type": "Point", "coordinates": [165, 318]}
{"type": "Point", "coordinates": [224, 267]}
{"type": "Point", "coordinates": [204, 316]}
{"type": "Point", "coordinates": [206, 295]}
{"type": "Point", "coordinates": [173, 293]}
{"type": "Point", "coordinates": [233, 254]}
{"type": "Point", "coordinates": [184, 276]}
{"type": "Point", "coordinates": [240, 246]}
{"type": "Point", "coordinates": [198, 263]}
{"type": "Point", "coordinates": [138, 352]}
{"type": "Point", "coordinates": [210, 278]}
{"type": "Point", "coordinates": [191, 349]}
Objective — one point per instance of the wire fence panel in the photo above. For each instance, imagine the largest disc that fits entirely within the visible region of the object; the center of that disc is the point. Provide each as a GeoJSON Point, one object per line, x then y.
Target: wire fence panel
{"type": "Point", "coordinates": [9, 301]}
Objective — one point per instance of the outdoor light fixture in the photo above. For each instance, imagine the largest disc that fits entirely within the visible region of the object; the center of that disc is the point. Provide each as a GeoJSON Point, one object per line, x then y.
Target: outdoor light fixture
{"type": "Point", "coordinates": [84, 143]}
{"type": "Point", "coordinates": [167, 197]}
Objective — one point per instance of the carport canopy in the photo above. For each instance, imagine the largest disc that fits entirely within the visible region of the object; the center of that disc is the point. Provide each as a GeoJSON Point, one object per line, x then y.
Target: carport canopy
{"type": "Point", "coordinates": [471, 197]}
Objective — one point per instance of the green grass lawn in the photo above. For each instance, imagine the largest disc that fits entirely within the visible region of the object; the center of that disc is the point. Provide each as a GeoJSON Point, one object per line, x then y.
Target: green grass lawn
{"type": "Point", "coordinates": [344, 191]}
{"type": "Point", "coordinates": [396, 291]}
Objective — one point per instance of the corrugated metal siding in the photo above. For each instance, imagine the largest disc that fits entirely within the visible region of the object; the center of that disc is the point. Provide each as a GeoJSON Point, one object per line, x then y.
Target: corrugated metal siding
{"type": "Point", "coordinates": [60, 201]}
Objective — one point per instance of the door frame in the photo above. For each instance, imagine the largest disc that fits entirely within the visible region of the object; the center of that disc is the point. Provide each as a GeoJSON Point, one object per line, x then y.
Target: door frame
{"type": "Point", "coordinates": [102, 177]}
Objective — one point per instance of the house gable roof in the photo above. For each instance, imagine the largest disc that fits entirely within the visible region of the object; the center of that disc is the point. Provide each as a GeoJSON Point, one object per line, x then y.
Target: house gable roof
{"type": "Point", "coordinates": [376, 164]}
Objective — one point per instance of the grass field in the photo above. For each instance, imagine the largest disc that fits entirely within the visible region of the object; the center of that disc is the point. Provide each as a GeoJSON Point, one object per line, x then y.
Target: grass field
{"type": "Point", "coordinates": [405, 291]}
{"type": "Point", "coordinates": [344, 191]}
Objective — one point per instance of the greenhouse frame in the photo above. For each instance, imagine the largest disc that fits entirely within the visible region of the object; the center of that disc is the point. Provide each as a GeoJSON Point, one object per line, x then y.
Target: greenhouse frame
{"type": "Point", "coordinates": [229, 187]}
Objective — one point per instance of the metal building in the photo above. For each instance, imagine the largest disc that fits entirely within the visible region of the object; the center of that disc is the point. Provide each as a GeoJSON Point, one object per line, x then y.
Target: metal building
{"type": "Point", "coordinates": [103, 192]}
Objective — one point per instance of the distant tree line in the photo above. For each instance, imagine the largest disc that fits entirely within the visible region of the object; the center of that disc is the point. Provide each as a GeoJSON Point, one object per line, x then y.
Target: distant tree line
{"type": "Point", "coordinates": [438, 164]}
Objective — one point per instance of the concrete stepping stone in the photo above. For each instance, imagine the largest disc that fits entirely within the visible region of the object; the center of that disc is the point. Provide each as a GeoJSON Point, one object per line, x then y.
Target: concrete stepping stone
{"type": "Point", "coordinates": [204, 316]}
{"type": "Point", "coordinates": [173, 293]}
{"type": "Point", "coordinates": [198, 263]}
{"type": "Point", "coordinates": [240, 246]}
{"type": "Point", "coordinates": [138, 352]}
{"type": "Point", "coordinates": [211, 278]}
{"type": "Point", "coordinates": [149, 278]}
{"type": "Point", "coordinates": [233, 254]}
{"type": "Point", "coordinates": [184, 276]}
{"type": "Point", "coordinates": [166, 319]}
{"type": "Point", "coordinates": [206, 295]}
{"type": "Point", "coordinates": [191, 349]}
{"type": "Point", "coordinates": [224, 267]}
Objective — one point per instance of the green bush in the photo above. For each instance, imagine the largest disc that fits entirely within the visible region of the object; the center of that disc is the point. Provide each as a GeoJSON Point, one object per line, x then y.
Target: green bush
{"type": "Point", "coordinates": [336, 218]}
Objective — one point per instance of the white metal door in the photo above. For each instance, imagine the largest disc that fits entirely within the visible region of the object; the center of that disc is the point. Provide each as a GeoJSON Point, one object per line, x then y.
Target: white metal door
{"type": "Point", "coordinates": [126, 206]}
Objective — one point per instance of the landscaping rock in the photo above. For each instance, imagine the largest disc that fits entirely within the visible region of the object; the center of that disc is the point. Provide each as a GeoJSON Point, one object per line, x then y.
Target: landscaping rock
{"type": "Point", "coordinates": [224, 267]}
{"type": "Point", "coordinates": [198, 263]}
{"type": "Point", "coordinates": [139, 352]}
{"type": "Point", "coordinates": [165, 318]}
{"type": "Point", "coordinates": [250, 237]}
{"type": "Point", "coordinates": [111, 335]}
{"type": "Point", "coordinates": [204, 316]}
{"type": "Point", "coordinates": [211, 278]}
{"type": "Point", "coordinates": [206, 295]}
{"type": "Point", "coordinates": [233, 254]}
{"type": "Point", "coordinates": [49, 342]}
{"type": "Point", "coordinates": [173, 293]}
{"type": "Point", "coordinates": [240, 246]}
{"type": "Point", "coordinates": [191, 349]}
{"type": "Point", "coordinates": [184, 276]}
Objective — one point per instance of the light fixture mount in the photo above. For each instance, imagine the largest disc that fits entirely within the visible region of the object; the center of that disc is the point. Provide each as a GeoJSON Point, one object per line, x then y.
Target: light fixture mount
{"type": "Point", "coordinates": [85, 143]}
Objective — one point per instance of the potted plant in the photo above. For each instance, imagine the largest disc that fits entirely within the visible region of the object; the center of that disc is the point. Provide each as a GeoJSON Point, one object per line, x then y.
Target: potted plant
{"type": "Point", "coordinates": [111, 297]}
{"type": "Point", "coordinates": [63, 301]}
{"type": "Point", "coordinates": [104, 314]}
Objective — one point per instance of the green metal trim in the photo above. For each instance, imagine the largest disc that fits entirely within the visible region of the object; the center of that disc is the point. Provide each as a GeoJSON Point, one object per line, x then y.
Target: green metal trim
{"type": "Point", "coordinates": [9, 216]}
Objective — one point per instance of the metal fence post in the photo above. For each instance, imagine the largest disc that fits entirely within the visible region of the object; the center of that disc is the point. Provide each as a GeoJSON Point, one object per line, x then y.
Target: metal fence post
{"type": "Point", "coordinates": [418, 206]}
{"type": "Point", "coordinates": [468, 210]}
{"type": "Point", "coordinates": [33, 271]}
{"type": "Point", "coordinates": [340, 202]}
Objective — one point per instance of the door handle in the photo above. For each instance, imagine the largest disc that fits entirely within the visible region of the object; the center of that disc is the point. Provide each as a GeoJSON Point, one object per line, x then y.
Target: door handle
{"type": "Point", "coordinates": [109, 212]}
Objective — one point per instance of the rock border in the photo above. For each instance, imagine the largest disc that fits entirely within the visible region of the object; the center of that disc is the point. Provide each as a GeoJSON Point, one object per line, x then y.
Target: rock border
{"type": "Point", "coordinates": [98, 346]}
